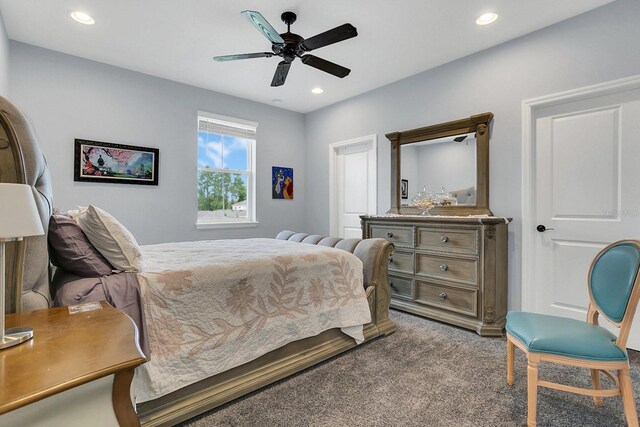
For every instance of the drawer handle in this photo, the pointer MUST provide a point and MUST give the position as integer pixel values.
(442, 296)
(389, 234)
(390, 260)
(444, 267)
(391, 284)
(444, 239)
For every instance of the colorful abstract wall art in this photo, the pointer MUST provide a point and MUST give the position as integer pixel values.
(282, 182)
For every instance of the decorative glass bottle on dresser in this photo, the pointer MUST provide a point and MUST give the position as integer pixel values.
(449, 265)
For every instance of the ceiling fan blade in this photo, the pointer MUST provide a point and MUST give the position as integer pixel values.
(326, 66)
(243, 56)
(258, 21)
(281, 73)
(343, 32)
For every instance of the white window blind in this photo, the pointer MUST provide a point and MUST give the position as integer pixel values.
(213, 123)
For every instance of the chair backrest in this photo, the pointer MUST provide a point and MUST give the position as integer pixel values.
(614, 285)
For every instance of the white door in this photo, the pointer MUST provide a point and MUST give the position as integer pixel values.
(353, 185)
(586, 193)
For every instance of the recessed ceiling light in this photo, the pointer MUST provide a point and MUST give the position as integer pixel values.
(487, 18)
(81, 17)
(317, 90)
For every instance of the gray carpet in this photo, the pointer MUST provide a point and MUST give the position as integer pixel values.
(425, 374)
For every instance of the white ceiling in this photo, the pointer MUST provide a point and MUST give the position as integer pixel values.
(176, 40)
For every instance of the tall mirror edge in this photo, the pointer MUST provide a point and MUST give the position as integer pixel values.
(478, 124)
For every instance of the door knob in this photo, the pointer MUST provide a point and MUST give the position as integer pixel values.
(541, 228)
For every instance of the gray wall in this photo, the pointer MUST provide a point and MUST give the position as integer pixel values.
(67, 97)
(4, 60)
(598, 46)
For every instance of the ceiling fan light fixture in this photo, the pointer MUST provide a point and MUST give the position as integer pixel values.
(82, 17)
(317, 90)
(487, 18)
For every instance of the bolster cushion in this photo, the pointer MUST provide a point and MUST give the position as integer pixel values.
(366, 250)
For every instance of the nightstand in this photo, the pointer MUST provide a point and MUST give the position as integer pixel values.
(76, 371)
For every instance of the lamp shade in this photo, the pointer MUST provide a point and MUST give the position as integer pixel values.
(18, 212)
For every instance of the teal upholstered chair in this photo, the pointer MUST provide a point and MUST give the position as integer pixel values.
(614, 289)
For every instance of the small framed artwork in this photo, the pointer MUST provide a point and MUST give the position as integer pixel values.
(115, 163)
(281, 182)
(404, 189)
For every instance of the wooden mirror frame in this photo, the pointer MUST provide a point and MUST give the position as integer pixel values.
(478, 124)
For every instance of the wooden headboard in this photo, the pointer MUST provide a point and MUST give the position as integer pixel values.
(22, 162)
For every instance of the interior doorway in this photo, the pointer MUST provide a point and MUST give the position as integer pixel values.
(580, 191)
(353, 184)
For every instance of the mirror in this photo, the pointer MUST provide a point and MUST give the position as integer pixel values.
(453, 155)
(447, 164)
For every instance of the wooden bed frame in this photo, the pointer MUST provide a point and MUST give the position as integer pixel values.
(294, 357)
(21, 161)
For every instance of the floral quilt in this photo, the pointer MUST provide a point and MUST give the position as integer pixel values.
(213, 305)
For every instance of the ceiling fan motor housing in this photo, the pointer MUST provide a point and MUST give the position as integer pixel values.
(292, 47)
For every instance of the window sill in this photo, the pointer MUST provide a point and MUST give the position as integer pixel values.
(243, 224)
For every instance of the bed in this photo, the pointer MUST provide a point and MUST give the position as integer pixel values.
(30, 288)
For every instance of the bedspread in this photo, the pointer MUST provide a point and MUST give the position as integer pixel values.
(213, 305)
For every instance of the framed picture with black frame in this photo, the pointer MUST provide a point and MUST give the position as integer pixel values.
(404, 188)
(96, 161)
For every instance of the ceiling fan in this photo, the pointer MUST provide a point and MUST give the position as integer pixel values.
(290, 46)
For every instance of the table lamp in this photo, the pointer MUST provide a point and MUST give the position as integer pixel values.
(18, 218)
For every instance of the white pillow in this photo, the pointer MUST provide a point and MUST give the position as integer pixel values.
(75, 212)
(110, 238)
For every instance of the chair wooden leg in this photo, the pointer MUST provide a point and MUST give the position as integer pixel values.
(510, 351)
(627, 398)
(532, 391)
(595, 379)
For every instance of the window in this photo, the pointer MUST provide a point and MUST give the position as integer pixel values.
(226, 171)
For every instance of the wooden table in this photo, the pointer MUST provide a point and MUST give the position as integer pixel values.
(78, 367)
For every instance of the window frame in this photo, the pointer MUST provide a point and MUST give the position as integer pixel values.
(242, 128)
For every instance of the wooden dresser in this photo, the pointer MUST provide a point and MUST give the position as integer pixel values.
(451, 269)
(76, 371)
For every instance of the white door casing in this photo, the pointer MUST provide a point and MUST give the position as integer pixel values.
(580, 177)
(352, 184)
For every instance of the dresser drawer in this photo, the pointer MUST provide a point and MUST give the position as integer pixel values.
(463, 301)
(401, 262)
(401, 287)
(455, 269)
(398, 235)
(448, 240)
